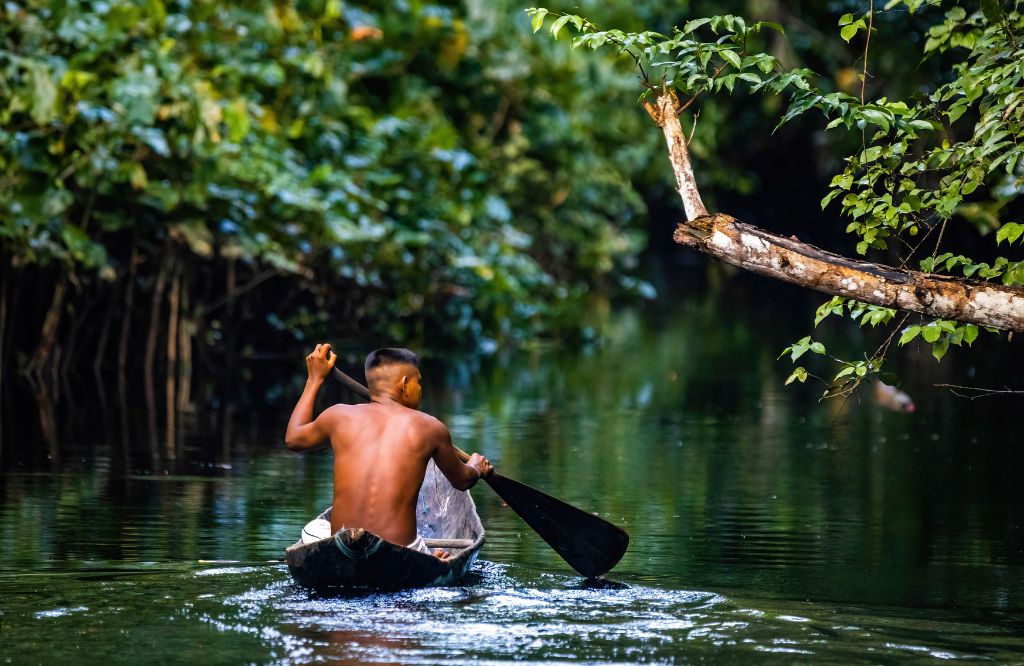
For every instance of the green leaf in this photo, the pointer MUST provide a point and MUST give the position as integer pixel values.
(236, 117)
(940, 348)
(849, 31)
(538, 19)
(82, 247)
(559, 24)
(876, 117)
(909, 333)
(44, 94)
(870, 154)
(1009, 232)
(992, 10)
(833, 306)
(694, 24)
(848, 370)
(799, 374)
(931, 333)
(731, 56)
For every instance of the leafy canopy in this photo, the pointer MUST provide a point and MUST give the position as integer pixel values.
(379, 157)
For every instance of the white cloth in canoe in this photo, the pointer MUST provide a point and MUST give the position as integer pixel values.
(318, 529)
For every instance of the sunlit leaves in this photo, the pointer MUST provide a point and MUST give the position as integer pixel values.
(830, 307)
(940, 334)
(799, 374)
(1009, 232)
(801, 347)
(537, 17)
(849, 26)
(683, 60)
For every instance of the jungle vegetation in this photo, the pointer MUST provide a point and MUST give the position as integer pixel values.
(183, 182)
(186, 182)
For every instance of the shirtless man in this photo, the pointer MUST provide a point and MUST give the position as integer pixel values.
(380, 449)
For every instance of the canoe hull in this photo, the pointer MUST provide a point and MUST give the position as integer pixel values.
(363, 561)
(355, 559)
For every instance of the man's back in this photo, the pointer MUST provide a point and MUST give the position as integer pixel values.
(380, 456)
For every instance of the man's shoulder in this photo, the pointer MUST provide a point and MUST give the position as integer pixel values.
(427, 422)
(340, 411)
(341, 408)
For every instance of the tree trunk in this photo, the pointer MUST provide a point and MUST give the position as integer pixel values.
(151, 340)
(187, 329)
(126, 324)
(787, 259)
(48, 334)
(170, 394)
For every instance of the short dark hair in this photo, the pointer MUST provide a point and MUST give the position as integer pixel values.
(389, 356)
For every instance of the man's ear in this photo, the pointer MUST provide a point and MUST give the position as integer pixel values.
(403, 383)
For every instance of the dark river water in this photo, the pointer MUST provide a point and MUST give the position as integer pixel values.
(766, 526)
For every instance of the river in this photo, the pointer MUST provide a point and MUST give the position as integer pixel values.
(766, 525)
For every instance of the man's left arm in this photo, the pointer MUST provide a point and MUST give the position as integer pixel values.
(305, 433)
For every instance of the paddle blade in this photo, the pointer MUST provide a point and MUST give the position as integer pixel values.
(591, 545)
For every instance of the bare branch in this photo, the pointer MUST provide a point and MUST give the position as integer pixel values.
(941, 296)
(978, 391)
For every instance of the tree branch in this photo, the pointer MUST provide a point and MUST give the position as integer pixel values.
(665, 113)
(789, 260)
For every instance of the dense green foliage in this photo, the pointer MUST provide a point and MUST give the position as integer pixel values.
(391, 168)
(919, 162)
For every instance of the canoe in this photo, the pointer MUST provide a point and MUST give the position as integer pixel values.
(356, 559)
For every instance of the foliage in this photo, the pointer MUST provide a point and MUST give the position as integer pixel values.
(382, 160)
(684, 61)
(955, 151)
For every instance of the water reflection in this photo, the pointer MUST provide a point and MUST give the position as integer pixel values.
(763, 522)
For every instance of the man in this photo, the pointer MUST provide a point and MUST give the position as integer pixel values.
(380, 449)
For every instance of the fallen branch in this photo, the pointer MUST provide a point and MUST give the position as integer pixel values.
(789, 260)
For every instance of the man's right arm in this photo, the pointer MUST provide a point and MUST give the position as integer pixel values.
(305, 433)
(462, 476)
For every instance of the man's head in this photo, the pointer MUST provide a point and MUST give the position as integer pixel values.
(394, 371)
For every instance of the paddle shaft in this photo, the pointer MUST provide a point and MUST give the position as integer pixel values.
(361, 390)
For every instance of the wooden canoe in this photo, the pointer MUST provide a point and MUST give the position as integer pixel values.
(355, 559)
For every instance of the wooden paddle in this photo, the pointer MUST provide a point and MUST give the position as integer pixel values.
(591, 545)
